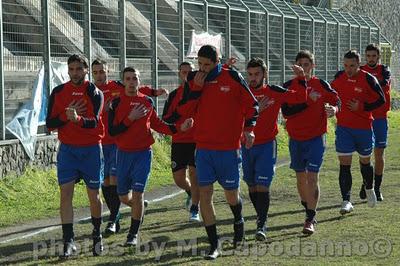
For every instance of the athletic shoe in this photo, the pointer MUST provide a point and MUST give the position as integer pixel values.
(97, 245)
(131, 240)
(212, 254)
(371, 197)
(194, 216)
(112, 228)
(347, 207)
(378, 194)
(362, 194)
(188, 203)
(309, 227)
(261, 234)
(69, 249)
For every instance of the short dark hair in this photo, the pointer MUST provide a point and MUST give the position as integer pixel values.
(99, 61)
(208, 51)
(78, 58)
(129, 69)
(373, 47)
(305, 54)
(353, 54)
(185, 63)
(257, 62)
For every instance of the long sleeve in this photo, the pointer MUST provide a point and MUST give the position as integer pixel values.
(386, 76)
(248, 101)
(160, 126)
(97, 99)
(374, 85)
(115, 129)
(54, 120)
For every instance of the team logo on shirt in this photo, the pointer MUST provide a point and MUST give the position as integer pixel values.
(357, 89)
(225, 88)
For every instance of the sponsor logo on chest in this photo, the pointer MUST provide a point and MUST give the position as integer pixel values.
(225, 88)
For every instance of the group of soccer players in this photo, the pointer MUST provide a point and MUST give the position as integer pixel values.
(218, 122)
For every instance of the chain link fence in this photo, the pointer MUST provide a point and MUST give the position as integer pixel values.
(154, 35)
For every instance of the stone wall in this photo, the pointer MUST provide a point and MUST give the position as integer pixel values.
(14, 159)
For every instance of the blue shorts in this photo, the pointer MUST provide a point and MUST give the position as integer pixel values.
(110, 160)
(259, 164)
(221, 166)
(133, 169)
(74, 163)
(307, 155)
(380, 127)
(349, 140)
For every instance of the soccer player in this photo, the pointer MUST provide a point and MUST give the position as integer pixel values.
(306, 125)
(380, 123)
(223, 107)
(259, 161)
(183, 149)
(112, 89)
(360, 94)
(131, 116)
(74, 110)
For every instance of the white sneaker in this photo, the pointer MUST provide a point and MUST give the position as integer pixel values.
(347, 207)
(371, 197)
(194, 216)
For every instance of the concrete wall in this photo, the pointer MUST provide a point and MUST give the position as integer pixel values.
(14, 159)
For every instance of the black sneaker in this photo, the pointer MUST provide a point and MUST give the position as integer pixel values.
(378, 194)
(98, 247)
(69, 249)
(238, 237)
(131, 240)
(363, 194)
(261, 234)
(212, 254)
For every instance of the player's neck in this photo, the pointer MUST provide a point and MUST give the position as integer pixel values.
(131, 93)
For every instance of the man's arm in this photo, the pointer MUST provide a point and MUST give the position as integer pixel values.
(53, 120)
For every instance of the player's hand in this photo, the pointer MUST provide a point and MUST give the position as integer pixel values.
(298, 70)
(330, 110)
(265, 103)
(137, 112)
(231, 61)
(159, 92)
(187, 124)
(107, 105)
(353, 105)
(314, 95)
(199, 78)
(249, 136)
(71, 114)
(79, 106)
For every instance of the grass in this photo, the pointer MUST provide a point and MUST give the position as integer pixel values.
(365, 237)
(20, 195)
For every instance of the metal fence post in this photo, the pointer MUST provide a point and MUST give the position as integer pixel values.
(205, 15)
(338, 40)
(228, 30)
(181, 12)
(122, 35)
(154, 44)
(87, 33)
(2, 111)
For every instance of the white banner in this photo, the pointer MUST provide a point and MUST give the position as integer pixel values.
(198, 40)
(33, 113)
